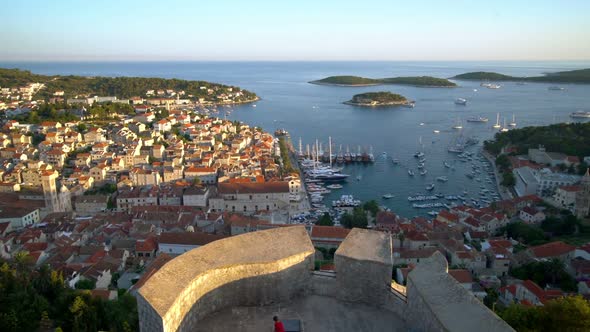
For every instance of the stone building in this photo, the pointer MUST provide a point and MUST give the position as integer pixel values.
(221, 287)
(583, 197)
(251, 197)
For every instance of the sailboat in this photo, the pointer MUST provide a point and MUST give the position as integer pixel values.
(458, 125)
(497, 125)
(513, 123)
(504, 129)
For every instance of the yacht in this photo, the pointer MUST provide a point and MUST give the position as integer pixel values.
(430, 187)
(555, 88)
(504, 129)
(419, 154)
(580, 115)
(497, 125)
(423, 172)
(477, 119)
(447, 165)
(493, 86)
(388, 196)
(334, 186)
(442, 179)
(411, 173)
(513, 123)
(436, 131)
(458, 125)
(461, 101)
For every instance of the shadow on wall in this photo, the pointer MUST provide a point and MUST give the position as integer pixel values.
(265, 289)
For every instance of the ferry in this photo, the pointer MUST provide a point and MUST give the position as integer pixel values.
(461, 101)
(477, 119)
(580, 115)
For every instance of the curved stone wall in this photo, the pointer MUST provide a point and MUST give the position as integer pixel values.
(250, 269)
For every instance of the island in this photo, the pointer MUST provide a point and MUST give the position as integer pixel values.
(375, 99)
(79, 87)
(571, 76)
(419, 81)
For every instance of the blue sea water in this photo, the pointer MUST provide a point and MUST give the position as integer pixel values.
(316, 112)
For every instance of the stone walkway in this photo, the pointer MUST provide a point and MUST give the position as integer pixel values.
(317, 313)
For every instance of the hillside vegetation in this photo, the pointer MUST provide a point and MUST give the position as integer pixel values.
(572, 139)
(425, 81)
(122, 87)
(572, 76)
(377, 99)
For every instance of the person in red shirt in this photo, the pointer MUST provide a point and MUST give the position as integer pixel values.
(279, 327)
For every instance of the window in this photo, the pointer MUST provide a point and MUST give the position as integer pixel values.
(244, 208)
(267, 208)
(250, 197)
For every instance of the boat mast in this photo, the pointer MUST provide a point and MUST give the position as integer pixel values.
(300, 148)
(330, 150)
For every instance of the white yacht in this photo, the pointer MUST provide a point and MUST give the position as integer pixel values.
(513, 123)
(580, 115)
(461, 101)
(458, 125)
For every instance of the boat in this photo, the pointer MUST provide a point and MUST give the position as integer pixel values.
(447, 165)
(253, 105)
(358, 177)
(346, 201)
(388, 196)
(461, 101)
(513, 123)
(430, 187)
(497, 125)
(411, 173)
(504, 129)
(334, 186)
(442, 179)
(580, 115)
(395, 161)
(410, 104)
(436, 131)
(423, 172)
(458, 125)
(493, 86)
(477, 119)
(555, 88)
(419, 154)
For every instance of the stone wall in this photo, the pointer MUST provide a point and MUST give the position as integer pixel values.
(249, 269)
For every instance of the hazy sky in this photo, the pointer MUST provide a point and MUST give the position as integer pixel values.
(295, 30)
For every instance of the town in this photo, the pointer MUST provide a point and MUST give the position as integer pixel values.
(108, 198)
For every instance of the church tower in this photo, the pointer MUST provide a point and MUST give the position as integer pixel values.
(583, 197)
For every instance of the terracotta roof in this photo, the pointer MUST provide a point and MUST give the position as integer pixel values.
(38, 246)
(329, 232)
(188, 238)
(448, 216)
(552, 249)
(461, 275)
(148, 244)
(254, 188)
(386, 217)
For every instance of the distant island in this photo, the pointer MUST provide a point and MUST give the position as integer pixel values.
(71, 86)
(571, 76)
(421, 81)
(375, 99)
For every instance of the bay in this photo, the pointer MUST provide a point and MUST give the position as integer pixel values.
(316, 112)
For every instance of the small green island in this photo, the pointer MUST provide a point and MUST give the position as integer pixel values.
(571, 76)
(419, 81)
(376, 99)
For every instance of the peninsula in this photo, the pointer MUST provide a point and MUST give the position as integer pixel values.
(571, 76)
(420, 81)
(77, 87)
(374, 99)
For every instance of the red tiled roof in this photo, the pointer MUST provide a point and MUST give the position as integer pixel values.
(448, 216)
(461, 275)
(386, 218)
(254, 188)
(39, 246)
(148, 244)
(552, 249)
(329, 232)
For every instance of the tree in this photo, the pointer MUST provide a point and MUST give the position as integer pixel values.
(325, 220)
(357, 219)
(508, 179)
(371, 206)
(85, 284)
(570, 313)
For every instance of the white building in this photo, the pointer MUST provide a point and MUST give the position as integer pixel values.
(541, 182)
(19, 217)
(179, 243)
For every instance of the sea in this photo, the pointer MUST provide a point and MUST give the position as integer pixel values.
(315, 112)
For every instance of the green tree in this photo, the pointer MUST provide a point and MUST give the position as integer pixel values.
(371, 206)
(508, 179)
(325, 220)
(85, 284)
(357, 219)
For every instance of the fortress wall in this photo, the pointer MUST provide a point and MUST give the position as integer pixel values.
(363, 267)
(437, 302)
(249, 269)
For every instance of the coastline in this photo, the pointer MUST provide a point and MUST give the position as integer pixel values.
(377, 84)
(392, 104)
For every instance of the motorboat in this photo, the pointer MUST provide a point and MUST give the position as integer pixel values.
(442, 179)
(334, 186)
(461, 101)
(458, 125)
(436, 131)
(555, 88)
(477, 119)
(580, 115)
(430, 187)
(411, 173)
(423, 172)
(388, 196)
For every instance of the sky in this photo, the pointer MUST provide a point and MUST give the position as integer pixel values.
(303, 30)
